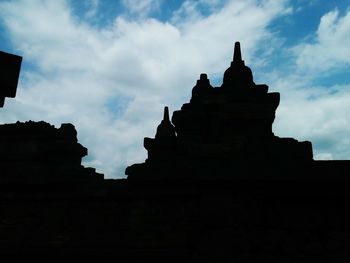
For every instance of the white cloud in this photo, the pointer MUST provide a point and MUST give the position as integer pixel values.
(312, 112)
(81, 71)
(331, 45)
(93, 6)
(315, 113)
(142, 8)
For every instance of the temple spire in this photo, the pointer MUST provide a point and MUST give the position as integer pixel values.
(166, 114)
(237, 57)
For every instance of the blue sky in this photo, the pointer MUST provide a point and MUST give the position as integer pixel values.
(109, 67)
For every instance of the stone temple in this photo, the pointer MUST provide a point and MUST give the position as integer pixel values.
(217, 186)
(220, 127)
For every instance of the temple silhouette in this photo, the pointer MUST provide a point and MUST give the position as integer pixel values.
(217, 186)
(220, 127)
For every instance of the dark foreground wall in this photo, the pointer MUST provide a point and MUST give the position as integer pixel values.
(250, 216)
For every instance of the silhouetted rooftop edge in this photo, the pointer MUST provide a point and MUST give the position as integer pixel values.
(10, 66)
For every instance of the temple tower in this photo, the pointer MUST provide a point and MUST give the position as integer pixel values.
(231, 123)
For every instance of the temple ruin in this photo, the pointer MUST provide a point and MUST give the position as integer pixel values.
(217, 186)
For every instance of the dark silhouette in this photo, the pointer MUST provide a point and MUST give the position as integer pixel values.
(217, 186)
(10, 66)
(230, 124)
(38, 153)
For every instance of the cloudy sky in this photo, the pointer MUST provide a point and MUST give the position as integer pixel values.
(109, 67)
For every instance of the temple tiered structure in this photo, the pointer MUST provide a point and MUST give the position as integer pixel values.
(227, 124)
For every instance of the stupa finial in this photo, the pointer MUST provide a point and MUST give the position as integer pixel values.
(166, 114)
(237, 56)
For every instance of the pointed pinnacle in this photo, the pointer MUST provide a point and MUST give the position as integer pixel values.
(237, 57)
(166, 114)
